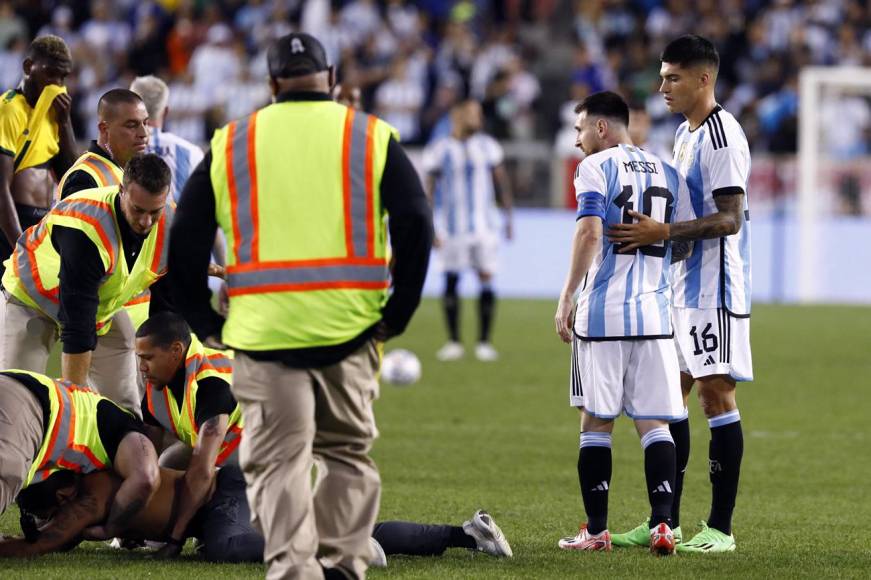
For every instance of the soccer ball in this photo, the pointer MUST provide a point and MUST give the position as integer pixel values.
(400, 367)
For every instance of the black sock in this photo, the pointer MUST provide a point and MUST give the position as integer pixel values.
(680, 433)
(659, 460)
(726, 451)
(486, 307)
(594, 475)
(451, 302)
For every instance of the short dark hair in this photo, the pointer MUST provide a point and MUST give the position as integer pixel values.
(116, 97)
(690, 50)
(165, 328)
(49, 48)
(605, 104)
(149, 171)
(43, 495)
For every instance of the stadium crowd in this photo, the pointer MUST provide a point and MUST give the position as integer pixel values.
(413, 60)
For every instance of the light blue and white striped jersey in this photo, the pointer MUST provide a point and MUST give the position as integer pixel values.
(465, 194)
(715, 160)
(628, 295)
(181, 155)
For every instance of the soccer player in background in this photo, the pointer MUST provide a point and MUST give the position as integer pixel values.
(712, 287)
(36, 139)
(181, 155)
(623, 355)
(467, 164)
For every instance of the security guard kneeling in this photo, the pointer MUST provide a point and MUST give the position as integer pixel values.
(49, 428)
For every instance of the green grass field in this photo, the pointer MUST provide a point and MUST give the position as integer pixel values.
(501, 436)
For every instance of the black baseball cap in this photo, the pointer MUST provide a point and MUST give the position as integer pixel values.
(296, 54)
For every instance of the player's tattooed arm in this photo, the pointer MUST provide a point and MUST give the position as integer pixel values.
(646, 231)
(726, 222)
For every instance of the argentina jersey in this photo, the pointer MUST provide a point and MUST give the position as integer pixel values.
(465, 194)
(181, 155)
(715, 160)
(628, 295)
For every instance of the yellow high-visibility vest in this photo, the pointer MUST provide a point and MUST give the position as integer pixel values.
(179, 417)
(106, 172)
(297, 193)
(33, 269)
(72, 439)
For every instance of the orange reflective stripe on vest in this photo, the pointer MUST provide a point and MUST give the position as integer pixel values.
(62, 450)
(26, 270)
(99, 215)
(231, 443)
(107, 176)
(358, 269)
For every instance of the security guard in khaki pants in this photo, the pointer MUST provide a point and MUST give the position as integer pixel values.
(71, 274)
(302, 189)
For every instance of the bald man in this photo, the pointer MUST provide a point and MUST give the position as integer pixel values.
(123, 133)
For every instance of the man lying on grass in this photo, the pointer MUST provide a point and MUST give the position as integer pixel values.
(52, 522)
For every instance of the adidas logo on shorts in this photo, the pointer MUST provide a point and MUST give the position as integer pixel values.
(709, 360)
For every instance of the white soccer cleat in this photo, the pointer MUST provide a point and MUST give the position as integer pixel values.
(379, 558)
(587, 541)
(488, 536)
(451, 351)
(485, 352)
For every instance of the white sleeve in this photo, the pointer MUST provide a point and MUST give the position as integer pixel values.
(728, 169)
(431, 158)
(590, 189)
(495, 154)
(196, 157)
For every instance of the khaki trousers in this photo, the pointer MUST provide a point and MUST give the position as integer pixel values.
(289, 415)
(27, 337)
(21, 435)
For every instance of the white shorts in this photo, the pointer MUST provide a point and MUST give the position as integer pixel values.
(478, 252)
(712, 342)
(636, 377)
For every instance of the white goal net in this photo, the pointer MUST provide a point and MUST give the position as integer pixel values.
(834, 163)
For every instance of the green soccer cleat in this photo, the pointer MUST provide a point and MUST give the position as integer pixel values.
(709, 540)
(640, 536)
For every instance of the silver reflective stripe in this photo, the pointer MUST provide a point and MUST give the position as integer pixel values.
(357, 169)
(219, 362)
(242, 177)
(61, 437)
(25, 272)
(100, 213)
(104, 169)
(308, 275)
(160, 410)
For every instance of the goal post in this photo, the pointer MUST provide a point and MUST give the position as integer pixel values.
(813, 160)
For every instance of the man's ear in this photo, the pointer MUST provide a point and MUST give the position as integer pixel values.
(26, 66)
(65, 494)
(331, 76)
(273, 87)
(178, 349)
(602, 127)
